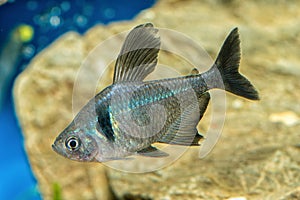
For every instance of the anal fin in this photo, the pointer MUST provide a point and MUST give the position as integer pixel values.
(203, 101)
(183, 131)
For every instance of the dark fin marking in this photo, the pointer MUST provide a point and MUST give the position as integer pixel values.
(152, 152)
(195, 71)
(104, 125)
(196, 140)
(138, 56)
(203, 101)
(187, 135)
(227, 63)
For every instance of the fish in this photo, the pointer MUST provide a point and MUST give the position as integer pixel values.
(126, 118)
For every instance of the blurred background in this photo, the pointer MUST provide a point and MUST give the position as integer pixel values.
(26, 28)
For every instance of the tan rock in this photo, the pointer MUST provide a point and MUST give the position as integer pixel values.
(293, 195)
(43, 100)
(287, 118)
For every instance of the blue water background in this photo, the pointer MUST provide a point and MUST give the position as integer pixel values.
(50, 19)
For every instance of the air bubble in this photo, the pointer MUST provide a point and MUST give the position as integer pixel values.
(55, 21)
(80, 20)
(55, 11)
(32, 5)
(28, 51)
(65, 6)
(109, 13)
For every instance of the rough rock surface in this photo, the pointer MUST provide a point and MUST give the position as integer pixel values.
(257, 156)
(43, 97)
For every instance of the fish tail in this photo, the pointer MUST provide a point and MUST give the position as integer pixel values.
(227, 65)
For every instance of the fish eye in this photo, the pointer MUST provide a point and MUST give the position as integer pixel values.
(73, 143)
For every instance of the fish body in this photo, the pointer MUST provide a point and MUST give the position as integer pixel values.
(127, 117)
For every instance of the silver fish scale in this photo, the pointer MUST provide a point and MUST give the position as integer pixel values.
(143, 112)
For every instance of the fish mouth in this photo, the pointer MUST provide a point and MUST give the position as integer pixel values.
(54, 148)
(58, 151)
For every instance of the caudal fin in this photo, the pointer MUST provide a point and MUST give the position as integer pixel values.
(227, 63)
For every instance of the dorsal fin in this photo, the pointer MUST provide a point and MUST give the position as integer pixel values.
(138, 56)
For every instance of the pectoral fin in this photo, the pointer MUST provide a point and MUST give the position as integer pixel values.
(138, 56)
(152, 152)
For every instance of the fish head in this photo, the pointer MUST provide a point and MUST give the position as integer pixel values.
(76, 144)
